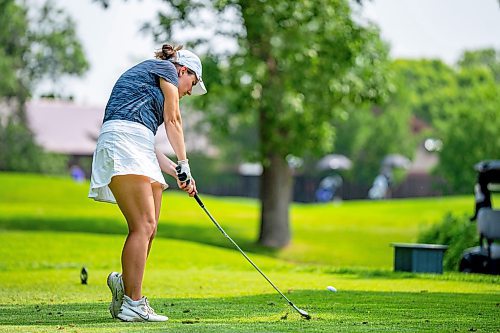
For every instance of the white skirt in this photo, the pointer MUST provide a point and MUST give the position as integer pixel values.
(123, 148)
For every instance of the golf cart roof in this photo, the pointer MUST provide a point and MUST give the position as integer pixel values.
(487, 166)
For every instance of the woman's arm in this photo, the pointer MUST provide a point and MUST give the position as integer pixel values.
(166, 164)
(175, 134)
(172, 118)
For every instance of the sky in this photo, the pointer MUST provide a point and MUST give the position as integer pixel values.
(413, 28)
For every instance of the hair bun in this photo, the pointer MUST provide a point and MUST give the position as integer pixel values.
(167, 49)
(167, 52)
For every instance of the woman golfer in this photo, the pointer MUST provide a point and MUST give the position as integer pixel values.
(126, 168)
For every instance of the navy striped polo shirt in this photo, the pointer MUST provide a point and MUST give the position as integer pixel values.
(137, 96)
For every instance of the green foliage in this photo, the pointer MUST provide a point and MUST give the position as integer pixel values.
(35, 44)
(13, 32)
(488, 58)
(54, 48)
(427, 85)
(455, 231)
(17, 148)
(366, 135)
(460, 105)
(299, 65)
(468, 126)
(53, 163)
(19, 152)
(369, 135)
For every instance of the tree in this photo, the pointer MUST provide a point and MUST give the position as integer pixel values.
(369, 134)
(298, 65)
(489, 58)
(468, 124)
(460, 104)
(13, 29)
(427, 83)
(36, 46)
(33, 47)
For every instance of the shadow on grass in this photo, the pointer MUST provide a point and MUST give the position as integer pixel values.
(208, 234)
(342, 311)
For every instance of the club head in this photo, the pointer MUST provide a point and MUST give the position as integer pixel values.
(304, 314)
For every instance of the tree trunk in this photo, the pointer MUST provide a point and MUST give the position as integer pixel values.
(21, 113)
(275, 195)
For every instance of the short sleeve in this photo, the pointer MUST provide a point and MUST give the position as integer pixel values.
(166, 70)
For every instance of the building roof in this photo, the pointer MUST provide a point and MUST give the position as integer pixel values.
(64, 127)
(68, 128)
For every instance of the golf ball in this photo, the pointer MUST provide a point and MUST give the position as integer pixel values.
(331, 289)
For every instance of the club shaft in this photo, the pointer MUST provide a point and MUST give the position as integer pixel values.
(243, 253)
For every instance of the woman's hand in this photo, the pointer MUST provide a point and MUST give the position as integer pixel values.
(184, 179)
(188, 186)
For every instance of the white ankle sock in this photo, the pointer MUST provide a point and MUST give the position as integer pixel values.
(132, 302)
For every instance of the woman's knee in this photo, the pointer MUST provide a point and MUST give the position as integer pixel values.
(154, 233)
(145, 228)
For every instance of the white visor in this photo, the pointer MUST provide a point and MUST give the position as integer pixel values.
(199, 88)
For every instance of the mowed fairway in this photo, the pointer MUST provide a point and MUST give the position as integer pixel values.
(49, 230)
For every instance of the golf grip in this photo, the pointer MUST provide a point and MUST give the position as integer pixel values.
(199, 201)
(182, 177)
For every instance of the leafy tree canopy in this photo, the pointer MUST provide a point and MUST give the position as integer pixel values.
(35, 44)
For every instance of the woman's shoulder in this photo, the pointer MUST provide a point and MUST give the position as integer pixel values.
(162, 68)
(157, 64)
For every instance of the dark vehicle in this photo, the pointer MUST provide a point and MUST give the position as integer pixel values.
(485, 258)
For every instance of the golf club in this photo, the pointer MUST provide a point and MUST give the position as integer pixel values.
(182, 177)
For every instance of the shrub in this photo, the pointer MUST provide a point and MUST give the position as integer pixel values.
(455, 231)
(19, 152)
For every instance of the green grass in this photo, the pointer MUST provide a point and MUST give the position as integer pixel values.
(353, 233)
(49, 230)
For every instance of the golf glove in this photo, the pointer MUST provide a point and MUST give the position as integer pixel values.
(183, 171)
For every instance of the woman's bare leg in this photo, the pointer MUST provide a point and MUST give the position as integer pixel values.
(157, 196)
(134, 195)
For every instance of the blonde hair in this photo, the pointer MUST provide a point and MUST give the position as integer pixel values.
(168, 52)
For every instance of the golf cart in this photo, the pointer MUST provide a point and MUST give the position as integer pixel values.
(485, 258)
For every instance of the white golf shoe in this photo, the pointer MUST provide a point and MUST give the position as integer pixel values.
(115, 284)
(138, 311)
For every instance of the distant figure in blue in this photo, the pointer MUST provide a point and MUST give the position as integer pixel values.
(77, 173)
(328, 188)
